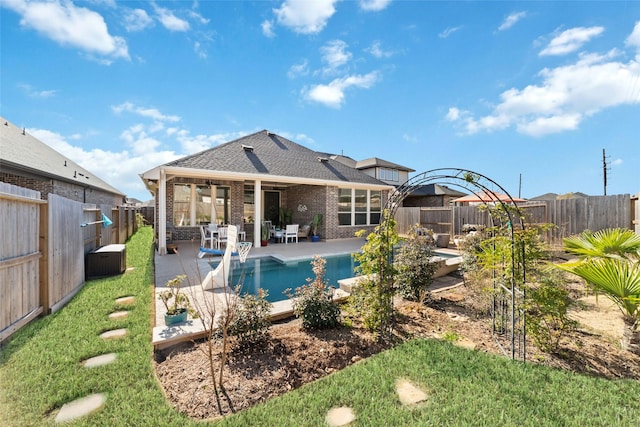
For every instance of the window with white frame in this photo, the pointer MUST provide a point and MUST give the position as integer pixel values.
(192, 204)
(388, 174)
(359, 207)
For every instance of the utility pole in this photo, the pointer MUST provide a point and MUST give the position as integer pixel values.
(604, 169)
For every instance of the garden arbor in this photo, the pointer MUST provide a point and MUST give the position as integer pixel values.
(508, 318)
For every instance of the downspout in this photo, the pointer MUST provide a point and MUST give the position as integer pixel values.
(162, 214)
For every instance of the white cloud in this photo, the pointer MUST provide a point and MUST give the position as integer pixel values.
(137, 20)
(616, 162)
(34, 93)
(634, 38)
(70, 26)
(511, 20)
(301, 69)
(151, 113)
(448, 31)
(304, 16)
(200, 50)
(169, 20)
(376, 50)
(566, 96)
(335, 55)
(119, 169)
(267, 29)
(571, 40)
(374, 5)
(332, 94)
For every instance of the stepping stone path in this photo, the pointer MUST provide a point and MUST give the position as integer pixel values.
(101, 360)
(88, 405)
(341, 416)
(81, 407)
(114, 333)
(118, 315)
(408, 393)
(126, 300)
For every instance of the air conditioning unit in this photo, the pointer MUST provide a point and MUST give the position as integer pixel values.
(108, 260)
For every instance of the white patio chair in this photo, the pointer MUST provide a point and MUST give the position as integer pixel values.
(218, 277)
(205, 236)
(291, 232)
(223, 233)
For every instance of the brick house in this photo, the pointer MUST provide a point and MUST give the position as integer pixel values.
(258, 176)
(27, 162)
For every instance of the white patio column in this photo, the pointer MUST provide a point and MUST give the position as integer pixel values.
(192, 205)
(214, 194)
(162, 213)
(257, 205)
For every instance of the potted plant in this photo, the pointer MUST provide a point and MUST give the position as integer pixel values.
(315, 223)
(264, 234)
(177, 304)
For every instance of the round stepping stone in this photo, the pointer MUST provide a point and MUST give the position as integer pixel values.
(408, 393)
(340, 416)
(118, 315)
(103, 359)
(114, 333)
(125, 300)
(81, 407)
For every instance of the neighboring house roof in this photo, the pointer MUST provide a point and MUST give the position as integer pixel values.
(554, 196)
(435, 190)
(265, 153)
(23, 152)
(376, 162)
(481, 196)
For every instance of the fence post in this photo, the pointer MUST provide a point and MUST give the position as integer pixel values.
(43, 263)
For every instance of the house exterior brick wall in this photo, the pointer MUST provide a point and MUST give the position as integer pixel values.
(64, 189)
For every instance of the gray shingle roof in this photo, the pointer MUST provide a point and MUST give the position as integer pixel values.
(376, 162)
(436, 190)
(275, 155)
(25, 152)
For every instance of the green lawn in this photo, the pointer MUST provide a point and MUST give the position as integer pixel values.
(40, 370)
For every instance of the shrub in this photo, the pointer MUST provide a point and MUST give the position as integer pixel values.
(313, 303)
(546, 307)
(251, 318)
(414, 267)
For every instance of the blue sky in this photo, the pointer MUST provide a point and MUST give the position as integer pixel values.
(525, 93)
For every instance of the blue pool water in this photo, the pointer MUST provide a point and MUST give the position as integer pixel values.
(275, 276)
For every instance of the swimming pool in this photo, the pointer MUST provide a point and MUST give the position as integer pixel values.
(275, 276)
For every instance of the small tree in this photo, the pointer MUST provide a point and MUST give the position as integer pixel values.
(372, 299)
(415, 267)
(313, 303)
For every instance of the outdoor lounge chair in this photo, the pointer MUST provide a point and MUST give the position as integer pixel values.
(218, 277)
(303, 232)
(291, 232)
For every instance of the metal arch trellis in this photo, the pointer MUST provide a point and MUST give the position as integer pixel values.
(508, 317)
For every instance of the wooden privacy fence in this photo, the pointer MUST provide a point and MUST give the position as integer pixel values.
(43, 248)
(570, 216)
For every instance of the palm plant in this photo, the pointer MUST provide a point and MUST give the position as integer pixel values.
(609, 261)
